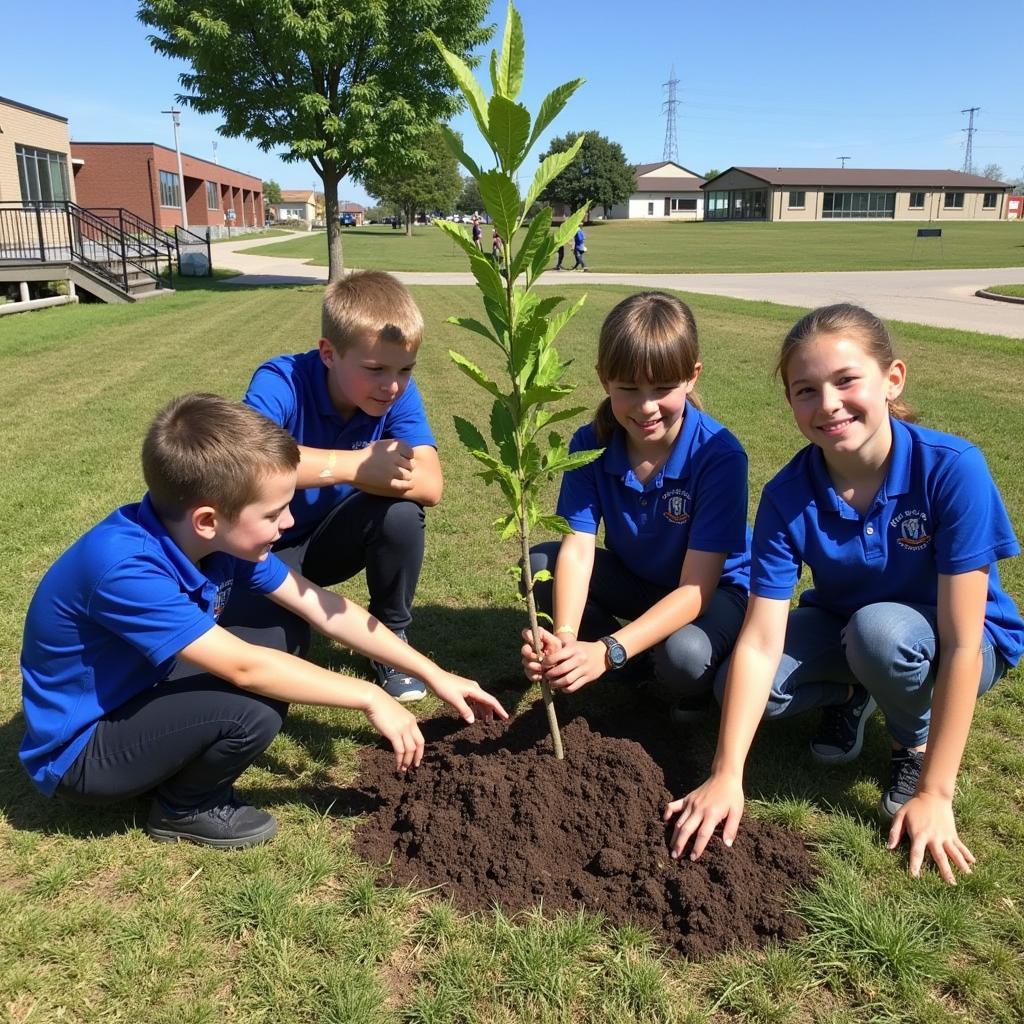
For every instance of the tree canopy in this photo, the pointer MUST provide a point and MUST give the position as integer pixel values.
(271, 191)
(470, 200)
(598, 175)
(342, 84)
(993, 171)
(427, 179)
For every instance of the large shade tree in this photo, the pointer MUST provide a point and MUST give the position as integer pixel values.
(427, 179)
(599, 174)
(342, 84)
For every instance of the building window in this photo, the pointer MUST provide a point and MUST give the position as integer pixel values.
(170, 194)
(797, 200)
(953, 201)
(650, 209)
(858, 205)
(212, 197)
(43, 175)
(916, 200)
(681, 205)
(716, 206)
(990, 202)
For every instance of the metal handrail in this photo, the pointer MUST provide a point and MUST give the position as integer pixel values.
(149, 240)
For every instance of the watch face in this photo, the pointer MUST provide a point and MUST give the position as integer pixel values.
(616, 652)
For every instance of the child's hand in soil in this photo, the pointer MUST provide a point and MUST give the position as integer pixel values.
(398, 727)
(576, 664)
(464, 695)
(700, 812)
(928, 822)
(533, 667)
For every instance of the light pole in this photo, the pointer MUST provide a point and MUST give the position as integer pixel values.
(176, 118)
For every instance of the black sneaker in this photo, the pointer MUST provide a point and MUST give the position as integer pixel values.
(228, 826)
(904, 774)
(841, 733)
(400, 685)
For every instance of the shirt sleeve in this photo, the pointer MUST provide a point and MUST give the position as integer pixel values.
(720, 504)
(406, 420)
(272, 393)
(261, 577)
(140, 603)
(579, 499)
(972, 528)
(774, 561)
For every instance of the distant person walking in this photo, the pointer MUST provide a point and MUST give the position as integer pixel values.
(497, 247)
(578, 249)
(561, 257)
(478, 233)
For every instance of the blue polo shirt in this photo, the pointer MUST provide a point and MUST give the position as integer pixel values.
(292, 391)
(698, 499)
(938, 511)
(107, 622)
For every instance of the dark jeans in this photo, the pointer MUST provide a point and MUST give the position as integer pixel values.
(685, 662)
(187, 739)
(384, 536)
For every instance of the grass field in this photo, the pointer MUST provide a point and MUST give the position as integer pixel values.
(1016, 290)
(97, 923)
(269, 233)
(702, 247)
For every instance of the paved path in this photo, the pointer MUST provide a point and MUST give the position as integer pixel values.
(941, 298)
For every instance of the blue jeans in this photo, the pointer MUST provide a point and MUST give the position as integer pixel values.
(685, 662)
(890, 649)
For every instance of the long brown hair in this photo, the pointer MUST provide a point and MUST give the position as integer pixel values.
(845, 318)
(650, 335)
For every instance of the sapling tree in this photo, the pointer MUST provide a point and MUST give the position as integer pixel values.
(523, 326)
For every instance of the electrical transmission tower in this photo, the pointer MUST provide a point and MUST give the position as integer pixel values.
(970, 129)
(670, 106)
(844, 159)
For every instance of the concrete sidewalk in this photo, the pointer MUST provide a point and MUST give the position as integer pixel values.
(940, 298)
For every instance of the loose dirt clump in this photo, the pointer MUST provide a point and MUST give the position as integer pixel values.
(492, 818)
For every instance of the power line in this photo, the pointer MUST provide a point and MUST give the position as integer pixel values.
(670, 106)
(844, 159)
(969, 148)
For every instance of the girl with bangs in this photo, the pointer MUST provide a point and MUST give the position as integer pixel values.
(667, 593)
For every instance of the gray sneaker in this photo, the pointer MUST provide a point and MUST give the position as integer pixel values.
(841, 733)
(400, 685)
(904, 774)
(226, 827)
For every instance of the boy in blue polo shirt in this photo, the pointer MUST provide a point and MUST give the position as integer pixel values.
(130, 686)
(671, 490)
(369, 462)
(901, 528)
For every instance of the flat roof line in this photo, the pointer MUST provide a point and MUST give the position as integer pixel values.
(34, 110)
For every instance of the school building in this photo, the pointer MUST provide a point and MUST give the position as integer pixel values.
(663, 191)
(143, 177)
(35, 155)
(852, 193)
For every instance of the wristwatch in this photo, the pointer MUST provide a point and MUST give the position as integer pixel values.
(616, 655)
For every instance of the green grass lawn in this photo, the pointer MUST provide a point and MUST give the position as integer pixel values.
(269, 233)
(1016, 290)
(701, 247)
(97, 923)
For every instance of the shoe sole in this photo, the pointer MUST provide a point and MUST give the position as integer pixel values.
(408, 696)
(844, 757)
(884, 806)
(164, 835)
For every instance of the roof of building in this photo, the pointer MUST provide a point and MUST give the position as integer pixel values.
(167, 149)
(33, 110)
(878, 177)
(297, 195)
(669, 184)
(647, 168)
(351, 208)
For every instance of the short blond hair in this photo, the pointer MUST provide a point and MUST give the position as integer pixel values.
(206, 450)
(370, 302)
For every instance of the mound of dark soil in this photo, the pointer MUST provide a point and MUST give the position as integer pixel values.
(493, 818)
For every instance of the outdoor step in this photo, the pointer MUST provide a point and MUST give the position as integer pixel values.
(152, 293)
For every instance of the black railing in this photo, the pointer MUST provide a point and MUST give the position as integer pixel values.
(143, 240)
(64, 232)
(195, 248)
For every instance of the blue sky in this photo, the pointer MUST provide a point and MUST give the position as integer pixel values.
(773, 85)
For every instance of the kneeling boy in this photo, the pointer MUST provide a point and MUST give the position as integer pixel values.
(369, 463)
(130, 686)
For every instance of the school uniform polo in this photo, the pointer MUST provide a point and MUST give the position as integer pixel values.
(292, 391)
(697, 499)
(107, 622)
(938, 511)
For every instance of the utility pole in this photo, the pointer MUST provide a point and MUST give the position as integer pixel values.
(844, 159)
(176, 118)
(970, 129)
(215, 160)
(671, 149)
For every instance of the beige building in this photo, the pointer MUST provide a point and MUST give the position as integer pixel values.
(35, 155)
(296, 204)
(663, 191)
(852, 193)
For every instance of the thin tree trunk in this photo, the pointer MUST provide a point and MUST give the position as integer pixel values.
(335, 260)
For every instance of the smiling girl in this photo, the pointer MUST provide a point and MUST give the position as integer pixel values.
(901, 528)
(671, 490)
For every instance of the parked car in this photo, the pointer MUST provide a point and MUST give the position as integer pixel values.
(348, 220)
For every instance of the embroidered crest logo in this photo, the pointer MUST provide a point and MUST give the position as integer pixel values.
(221, 600)
(912, 529)
(677, 506)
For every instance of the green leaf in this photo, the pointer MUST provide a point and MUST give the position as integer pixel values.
(542, 575)
(570, 226)
(551, 107)
(557, 524)
(559, 320)
(546, 418)
(487, 277)
(501, 200)
(526, 342)
(548, 393)
(499, 319)
(513, 55)
(496, 85)
(510, 128)
(575, 460)
(454, 144)
(469, 324)
(503, 433)
(468, 85)
(550, 168)
(456, 233)
(470, 437)
(536, 233)
(474, 372)
(510, 527)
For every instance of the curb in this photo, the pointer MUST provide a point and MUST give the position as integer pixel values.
(981, 293)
